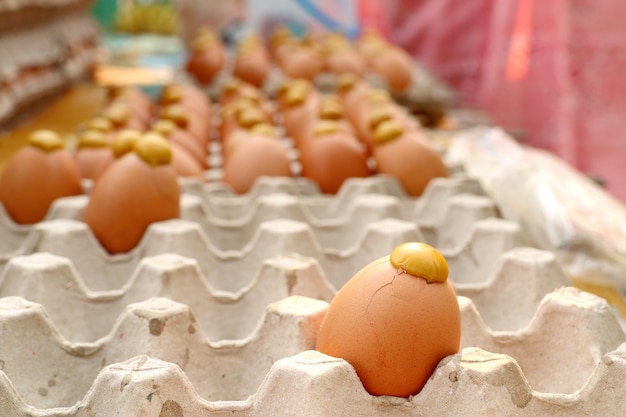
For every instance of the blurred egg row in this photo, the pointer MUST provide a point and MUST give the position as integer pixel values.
(132, 151)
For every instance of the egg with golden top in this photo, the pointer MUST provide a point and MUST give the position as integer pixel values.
(395, 320)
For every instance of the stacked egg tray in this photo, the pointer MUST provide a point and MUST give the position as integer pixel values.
(216, 313)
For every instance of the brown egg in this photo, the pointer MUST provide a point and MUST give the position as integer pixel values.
(193, 99)
(406, 156)
(207, 58)
(252, 63)
(121, 117)
(37, 175)
(352, 90)
(378, 111)
(279, 37)
(331, 108)
(395, 66)
(137, 190)
(139, 102)
(197, 126)
(300, 108)
(395, 320)
(241, 135)
(240, 114)
(93, 154)
(331, 156)
(124, 142)
(184, 162)
(236, 90)
(258, 156)
(301, 62)
(342, 57)
(170, 131)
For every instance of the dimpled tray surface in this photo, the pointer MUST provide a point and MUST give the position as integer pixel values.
(217, 313)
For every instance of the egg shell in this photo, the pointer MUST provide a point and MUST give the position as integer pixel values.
(411, 160)
(331, 159)
(258, 156)
(396, 67)
(187, 141)
(93, 162)
(204, 65)
(185, 164)
(197, 126)
(233, 140)
(299, 119)
(190, 97)
(393, 327)
(345, 60)
(240, 114)
(366, 120)
(236, 88)
(252, 67)
(139, 102)
(301, 62)
(124, 117)
(130, 196)
(33, 179)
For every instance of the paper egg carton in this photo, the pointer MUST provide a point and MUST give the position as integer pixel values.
(563, 357)
(371, 225)
(180, 327)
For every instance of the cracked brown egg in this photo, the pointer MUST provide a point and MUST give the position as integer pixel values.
(395, 320)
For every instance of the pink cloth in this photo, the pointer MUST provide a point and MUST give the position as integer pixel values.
(553, 70)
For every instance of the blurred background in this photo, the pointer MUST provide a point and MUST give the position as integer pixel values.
(548, 72)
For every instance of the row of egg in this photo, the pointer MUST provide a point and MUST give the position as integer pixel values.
(325, 139)
(304, 58)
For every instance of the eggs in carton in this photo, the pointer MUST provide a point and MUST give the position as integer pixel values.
(370, 238)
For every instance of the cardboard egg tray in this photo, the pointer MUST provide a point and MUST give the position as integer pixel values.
(217, 313)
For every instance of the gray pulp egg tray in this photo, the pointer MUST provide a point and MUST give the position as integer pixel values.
(217, 313)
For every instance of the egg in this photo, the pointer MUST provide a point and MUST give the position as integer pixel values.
(236, 90)
(252, 63)
(183, 139)
(190, 97)
(395, 66)
(121, 116)
(331, 156)
(138, 189)
(394, 320)
(206, 59)
(93, 154)
(240, 136)
(407, 156)
(301, 62)
(392, 63)
(342, 57)
(240, 114)
(124, 142)
(36, 176)
(299, 102)
(199, 127)
(331, 108)
(138, 102)
(259, 156)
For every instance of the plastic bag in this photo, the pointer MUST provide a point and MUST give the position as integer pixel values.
(559, 208)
